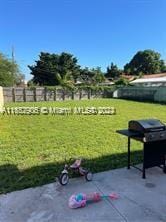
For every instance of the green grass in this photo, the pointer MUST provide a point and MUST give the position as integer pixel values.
(33, 149)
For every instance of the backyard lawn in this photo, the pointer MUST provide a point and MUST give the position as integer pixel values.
(33, 148)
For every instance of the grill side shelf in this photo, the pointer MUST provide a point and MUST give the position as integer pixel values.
(131, 134)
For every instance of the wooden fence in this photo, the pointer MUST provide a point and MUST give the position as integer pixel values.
(20, 94)
(43, 94)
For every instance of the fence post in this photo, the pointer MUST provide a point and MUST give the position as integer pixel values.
(89, 93)
(24, 94)
(45, 93)
(55, 94)
(34, 94)
(13, 95)
(80, 95)
(72, 95)
(63, 95)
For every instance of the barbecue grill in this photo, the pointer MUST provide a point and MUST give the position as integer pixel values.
(152, 133)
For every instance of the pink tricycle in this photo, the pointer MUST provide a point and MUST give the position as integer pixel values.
(76, 167)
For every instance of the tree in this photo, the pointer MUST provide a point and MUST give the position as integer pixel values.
(122, 82)
(145, 62)
(91, 76)
(50, 68)
(9, 72)
(98, 76)
(112, 71)
(66, 80)
(163, 66)
(86, 76)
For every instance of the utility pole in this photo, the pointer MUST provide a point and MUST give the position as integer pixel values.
(13, 63)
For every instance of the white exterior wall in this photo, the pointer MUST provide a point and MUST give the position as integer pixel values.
(1, 99)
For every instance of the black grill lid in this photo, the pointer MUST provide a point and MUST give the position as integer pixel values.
(146, 125)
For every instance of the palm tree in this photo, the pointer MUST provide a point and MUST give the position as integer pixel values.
(66, 80)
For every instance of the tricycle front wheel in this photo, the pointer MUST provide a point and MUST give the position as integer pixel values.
(64, 179)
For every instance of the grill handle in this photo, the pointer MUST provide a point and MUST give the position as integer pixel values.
(156, 129)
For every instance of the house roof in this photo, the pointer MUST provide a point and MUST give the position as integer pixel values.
(154, 75)
(128, 77)
(160, 77)
(148, 80)
(145, 76)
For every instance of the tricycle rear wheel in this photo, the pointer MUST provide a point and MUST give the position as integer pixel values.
(88, 176)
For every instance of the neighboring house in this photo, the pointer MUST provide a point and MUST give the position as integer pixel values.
(23, 83)
(128, 77)
(151, 80)
(107, 82)
(78, 82)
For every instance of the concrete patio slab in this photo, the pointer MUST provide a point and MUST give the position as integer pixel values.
(139, 199)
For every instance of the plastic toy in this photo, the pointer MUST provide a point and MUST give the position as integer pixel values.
(81, 199)
(76, 167)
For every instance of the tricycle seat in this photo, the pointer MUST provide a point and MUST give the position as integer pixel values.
(76, 164)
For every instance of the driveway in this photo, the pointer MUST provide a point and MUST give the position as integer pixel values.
(139, 199)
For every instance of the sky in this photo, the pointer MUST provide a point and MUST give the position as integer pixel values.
(97, 32)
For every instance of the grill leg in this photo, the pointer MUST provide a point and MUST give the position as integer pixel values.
(143, 169)
(128, 165)
(164, 166)
(143, 173)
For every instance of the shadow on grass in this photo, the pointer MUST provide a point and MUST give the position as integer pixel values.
(12, 179)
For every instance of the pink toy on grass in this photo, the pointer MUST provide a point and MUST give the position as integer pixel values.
(81, 199)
